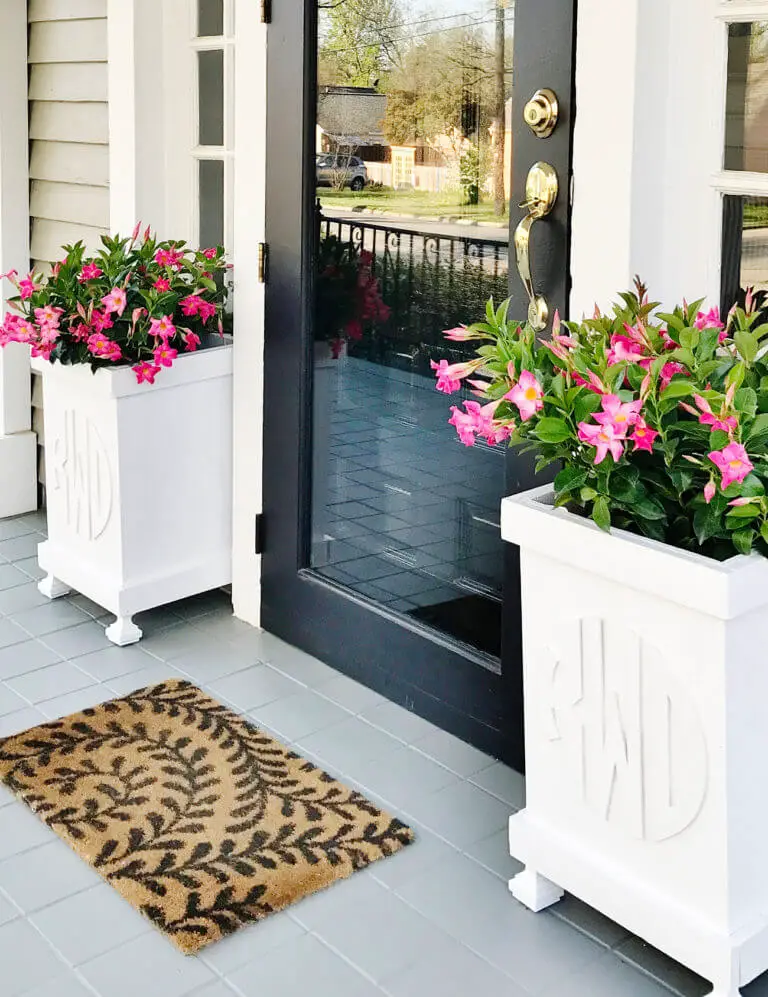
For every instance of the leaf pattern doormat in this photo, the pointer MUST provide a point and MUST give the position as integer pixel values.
(200, 820)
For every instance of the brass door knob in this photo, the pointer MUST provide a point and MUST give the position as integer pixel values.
(541, 113)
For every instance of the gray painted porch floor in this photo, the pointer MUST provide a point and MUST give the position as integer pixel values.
(435, 920)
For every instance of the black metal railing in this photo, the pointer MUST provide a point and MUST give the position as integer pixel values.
(431, 280)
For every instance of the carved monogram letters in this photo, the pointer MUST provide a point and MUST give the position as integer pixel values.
(630, 734)
(80, 468)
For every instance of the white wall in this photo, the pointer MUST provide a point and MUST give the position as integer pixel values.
(647, 141)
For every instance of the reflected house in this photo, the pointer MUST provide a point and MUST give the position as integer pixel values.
(350, 121)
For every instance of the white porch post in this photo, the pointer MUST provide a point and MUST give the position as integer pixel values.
(250, 178)
(18, 445)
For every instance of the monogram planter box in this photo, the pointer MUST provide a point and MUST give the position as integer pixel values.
(139, 484)
(646, 724)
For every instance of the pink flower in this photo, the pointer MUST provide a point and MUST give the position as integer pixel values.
(643, 436)
(80, 332)
(709, 491)
(146, 371)
(741, 501)
(11, 275)
(618, 414)
(24, 332)
(479, 421)
(90, 272)
(43, 350)
(101, 346)
(162, 284)
(707, 418)
(527, 394)
(210, 254)
(115, 301)
(450, 376)
(169, 258)
(669, 370)
(191, 305)
(709, 320)
(594, 383)
(165, 355)
(191, 340)
(49, 334)
(208, 310)
(48, 316)
(163, 327)
(733, 463)
(624, 349)
(459, 334)
(605, 438)
(27, 287)
(101, 321)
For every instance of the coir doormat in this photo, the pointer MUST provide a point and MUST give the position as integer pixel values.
(200, 820)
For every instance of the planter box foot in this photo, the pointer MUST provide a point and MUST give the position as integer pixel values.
(535, 891)
(123, 632)
(52, 588)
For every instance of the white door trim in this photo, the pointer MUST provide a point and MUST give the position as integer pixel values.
(249, 231)
(18, 445)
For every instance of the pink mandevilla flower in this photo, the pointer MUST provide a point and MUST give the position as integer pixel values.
(527, 394)
(162, 284)
(643, 437)
(90, 272)
(618, 414)
(458, 335)
(669, 370)
(169, 258)
(208, 310)
(191, 305)
(709, 320)
(606, 439)
(162, 328)
(210, 254)
(709, 491)
(101, 346)
(48, 316)
(726, 424)
(165, 355)
(191, 340)
(479, 421)
(733, 463)
(450, 376)
(624, 349)
(115, 301)
(27, 287)
(146, 372)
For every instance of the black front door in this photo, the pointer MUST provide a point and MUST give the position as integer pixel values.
(398, 151)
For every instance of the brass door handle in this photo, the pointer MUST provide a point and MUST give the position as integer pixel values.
(541, 190)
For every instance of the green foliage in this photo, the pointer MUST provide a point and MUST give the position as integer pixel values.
(658, 421)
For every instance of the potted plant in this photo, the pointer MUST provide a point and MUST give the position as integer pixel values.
(137, 385)
(645, 616)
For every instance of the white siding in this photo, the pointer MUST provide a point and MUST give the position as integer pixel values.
(69, 134)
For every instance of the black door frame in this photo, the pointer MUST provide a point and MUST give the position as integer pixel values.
(400, 658)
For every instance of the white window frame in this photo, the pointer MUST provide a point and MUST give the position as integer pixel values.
(722, 181)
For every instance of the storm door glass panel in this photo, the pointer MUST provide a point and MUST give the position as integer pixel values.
(745, 250)
(211, 202)
(746, 136)
(211, 83)
(412, 166)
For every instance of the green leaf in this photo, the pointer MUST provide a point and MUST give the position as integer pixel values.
(649, 508)
(587, 494)
(743, 541)
(689, 338)
(745, 401)
(625, 485)
(570, 478)
(764, 530)
(707, 521)
(585, 405)
(601, 513)
(719, 439)
(746, 344)
(552, 430)
(708, 342)
(678, 388)
(759, 427)
(744, 511)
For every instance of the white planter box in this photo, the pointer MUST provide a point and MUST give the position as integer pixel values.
(139, 484)
(646, 725)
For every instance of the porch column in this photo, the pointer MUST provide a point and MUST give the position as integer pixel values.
(18, 445)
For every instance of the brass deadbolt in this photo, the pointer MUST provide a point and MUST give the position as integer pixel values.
(541, 113)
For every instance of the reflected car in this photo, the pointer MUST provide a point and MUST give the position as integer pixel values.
(334, 170)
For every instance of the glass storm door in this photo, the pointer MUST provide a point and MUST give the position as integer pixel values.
(400, 137)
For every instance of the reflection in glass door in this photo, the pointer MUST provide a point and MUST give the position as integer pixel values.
(413, 159)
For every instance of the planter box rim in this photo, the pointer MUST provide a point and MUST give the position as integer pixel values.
(724, 589)
(120, 381)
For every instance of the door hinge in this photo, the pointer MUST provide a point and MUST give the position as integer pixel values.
(266, 11)
(258, 538)
(263, 262)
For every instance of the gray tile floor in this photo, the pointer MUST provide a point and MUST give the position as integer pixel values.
(436, 919)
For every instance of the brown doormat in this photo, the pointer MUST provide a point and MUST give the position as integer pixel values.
(200, 820)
